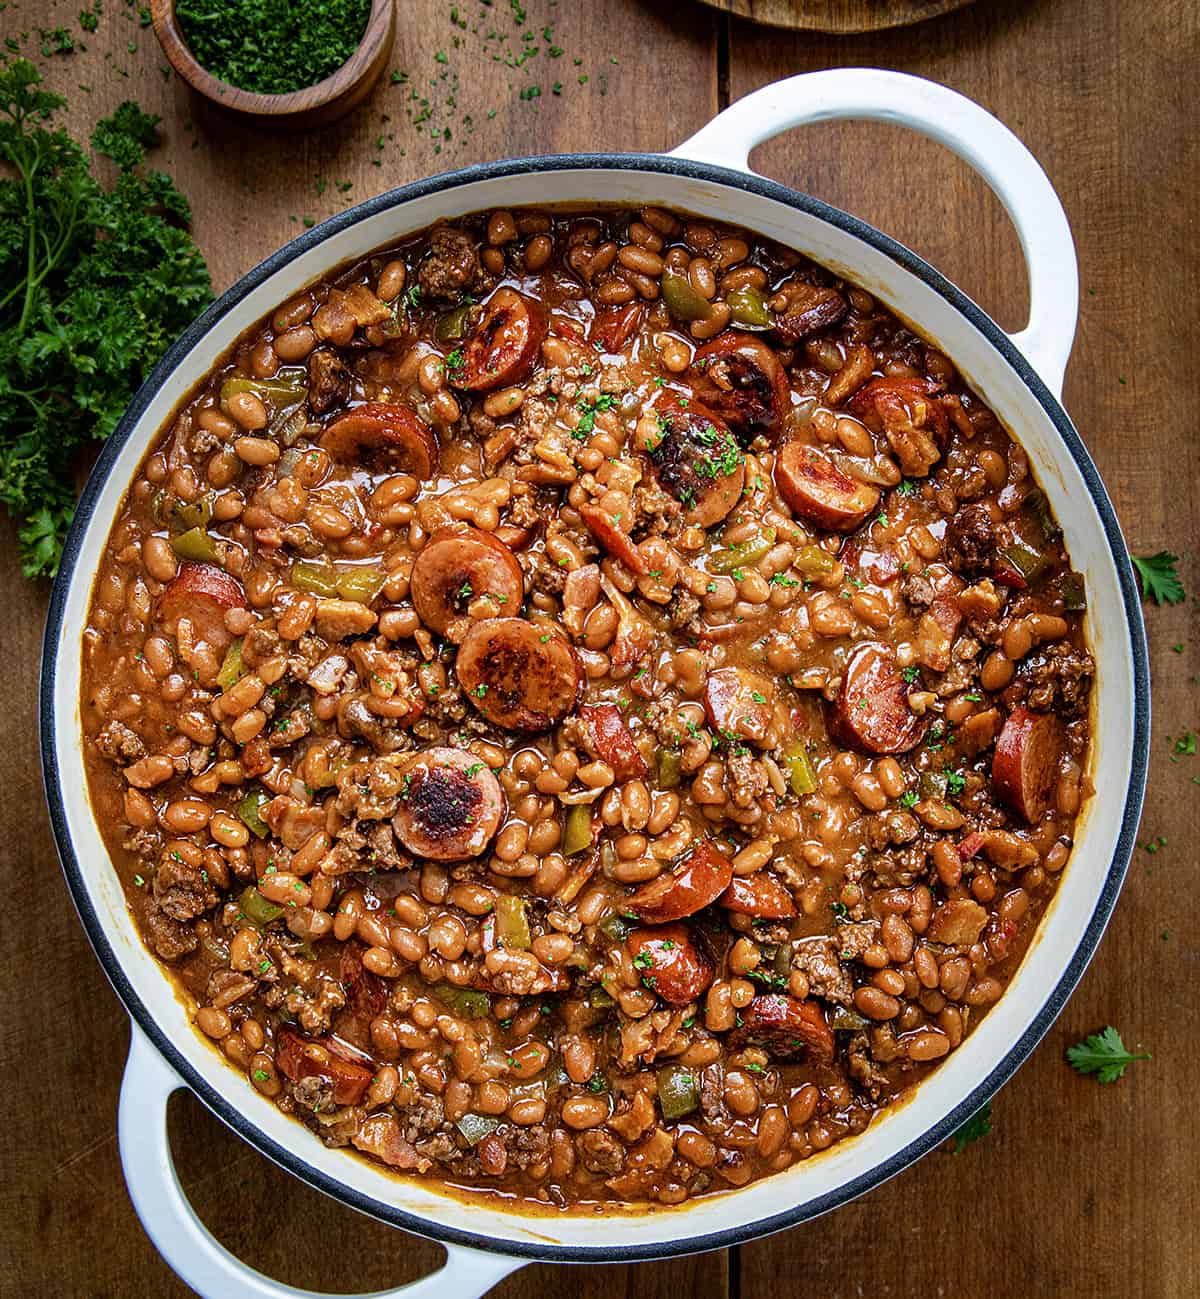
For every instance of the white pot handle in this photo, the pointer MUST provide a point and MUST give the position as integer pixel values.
(187, 1245)
(963, 127)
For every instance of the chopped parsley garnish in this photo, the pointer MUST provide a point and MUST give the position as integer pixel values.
(909, 798)
(587, 414)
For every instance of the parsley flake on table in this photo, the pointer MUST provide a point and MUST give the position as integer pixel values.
(1159, 578)
(1103, 1054)
(94, 284)
(978, 1125)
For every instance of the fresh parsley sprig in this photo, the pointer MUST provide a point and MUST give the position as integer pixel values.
(978, 1125)
(1103, 1054)
(1159, 577)
(94, 285)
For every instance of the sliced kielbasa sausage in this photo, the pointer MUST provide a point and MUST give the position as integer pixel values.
(201, 593)
(386, 434)
(739, 704)
(300, 1057)
(671, 962)
(786, 1029)
(524, 676)
(609, 533)
(450, 805)
(503, 345)
(606, 735)
(613, 327)
(1026, 760)
(742, 379)
(761, 895)
(872, 714)
(462, 566)
(694, 883)
(697, 459)
(819, 492)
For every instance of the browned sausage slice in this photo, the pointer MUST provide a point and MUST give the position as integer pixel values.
(606, 735)
(383, 433)
(460, 566)
(613, 327)
(818, 491)
(671, 962)
(450, 805)
(201, 593)
(504, 345)
(521, 675)
(739, 704)
(872, 713)
(299, 1058)
(760, 895)
(785, 1028)
(609, 533)
(742, 379)
(694, 883)
(697, 459)
(1025, 763)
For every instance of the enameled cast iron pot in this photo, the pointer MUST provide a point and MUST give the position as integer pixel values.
(1019, 377)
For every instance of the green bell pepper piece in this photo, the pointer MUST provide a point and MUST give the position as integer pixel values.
(187, 515)
(812, 561)
(232, 667)
(468, 1002)
(320, 579)
(257, 909)
(361, 584)
(512, 923)
(801, 775)
(746, 552)
(195, 544)
(669, 768)
(250, 812)
(452, 325)
(577, 835)
(477, 1126)
(749, 307)
(683, 301)
(678, 1091)
(842, 1020)
(289, 388)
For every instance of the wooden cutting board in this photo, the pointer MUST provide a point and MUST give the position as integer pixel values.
(838, 15)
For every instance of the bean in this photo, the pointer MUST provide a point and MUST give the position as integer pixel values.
(997, 671)
(927, 1044)
(159, 559)
(391, 281)
(538, 252)
(150, 771)
(583, 1112)
(256, 451)
(295, 344)
(186, 816)
(213, 1023)
(876, 1004)
(247, 409)
(285, 889)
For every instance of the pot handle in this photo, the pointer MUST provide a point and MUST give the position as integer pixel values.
(187, 1245)
(966, 129)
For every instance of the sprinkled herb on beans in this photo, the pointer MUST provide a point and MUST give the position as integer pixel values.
(588, 746)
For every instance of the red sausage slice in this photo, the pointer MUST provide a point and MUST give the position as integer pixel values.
(450, 805)
(906, 411)
(607, 736)
(1025, 763)
(818, 491)
(619, 544)
(383, 433)
(697, 460)
(742, 379)
(760, 895)
(504, 345)
(201, 593)
(872, 713)
(613, 327)
(692, 884)
(785, 1028)
(460, 566)
(521, 675)
(300, 1057)
(739, 704)
(671, 963)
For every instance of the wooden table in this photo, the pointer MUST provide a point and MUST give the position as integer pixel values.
(1081, 1189)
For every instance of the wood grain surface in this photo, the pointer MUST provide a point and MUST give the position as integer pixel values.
(838, 16)
(1081, 1189)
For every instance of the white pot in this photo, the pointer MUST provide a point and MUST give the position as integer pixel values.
(1020, 379)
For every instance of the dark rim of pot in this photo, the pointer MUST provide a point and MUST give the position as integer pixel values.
(292, 1159)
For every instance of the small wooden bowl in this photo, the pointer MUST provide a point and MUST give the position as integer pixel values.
(314, 105)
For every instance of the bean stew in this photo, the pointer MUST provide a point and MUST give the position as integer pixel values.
(587, 705)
